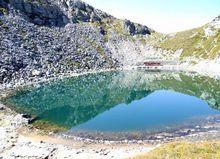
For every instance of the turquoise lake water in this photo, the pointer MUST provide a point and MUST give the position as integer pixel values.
(121, 101)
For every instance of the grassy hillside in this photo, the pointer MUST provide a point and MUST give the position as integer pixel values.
(197, 43)
(185, 150)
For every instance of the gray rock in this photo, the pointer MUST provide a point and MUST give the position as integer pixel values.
(134, 29)
(43, 39)
(95, 17)
(27, 7)
(41, 12)
(129, 27)
(80, 15)
(2, 107)
(144, 30)
(79, 4)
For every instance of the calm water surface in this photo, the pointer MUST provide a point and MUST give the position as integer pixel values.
(122, 101)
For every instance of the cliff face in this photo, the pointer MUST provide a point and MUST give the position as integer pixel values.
(43, 38)
(61, 12)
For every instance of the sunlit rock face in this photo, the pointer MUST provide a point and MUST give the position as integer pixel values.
(213, 27)
(216, 23)
(134, 53)
(79, 11)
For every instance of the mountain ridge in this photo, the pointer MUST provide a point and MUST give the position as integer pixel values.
(200, 43)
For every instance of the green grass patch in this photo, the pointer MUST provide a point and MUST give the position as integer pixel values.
(1, 22)
(3, 10)
(111, 24)
(48, 126)
(185, 150)
(3, 26)
(193, 42)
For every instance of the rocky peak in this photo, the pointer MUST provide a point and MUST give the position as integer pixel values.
(79, 11)
(60, 12)
(217, 22)
(211, 29)
(55, 13)
(133, 28)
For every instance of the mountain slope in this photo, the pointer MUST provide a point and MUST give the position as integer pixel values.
(45, 38)
(41, 39)
(199, 43)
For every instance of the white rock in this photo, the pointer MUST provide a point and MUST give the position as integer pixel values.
(209, 32)
(35, 73)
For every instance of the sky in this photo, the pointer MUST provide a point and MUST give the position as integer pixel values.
(165, 16)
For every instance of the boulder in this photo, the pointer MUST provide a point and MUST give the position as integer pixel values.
(129, 27)
(102, 30)
(36, 73)
(27, 8)
(79, 4)
(143, 30)
(133, 28)
(95, 17)
(80, 15)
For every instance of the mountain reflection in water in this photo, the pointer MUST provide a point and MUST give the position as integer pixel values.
(74, 101)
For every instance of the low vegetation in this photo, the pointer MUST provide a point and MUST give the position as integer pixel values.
(3, 11)
(48, 127)
(1, 22)
(185, 150)
(194, 43)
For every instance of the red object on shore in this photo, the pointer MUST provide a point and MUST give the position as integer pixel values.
(152, 64)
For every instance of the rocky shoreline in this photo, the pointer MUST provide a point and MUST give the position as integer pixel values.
(21, 140)
(208, 125)
(18, 141)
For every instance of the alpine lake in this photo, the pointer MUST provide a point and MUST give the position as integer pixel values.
(121, 102)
